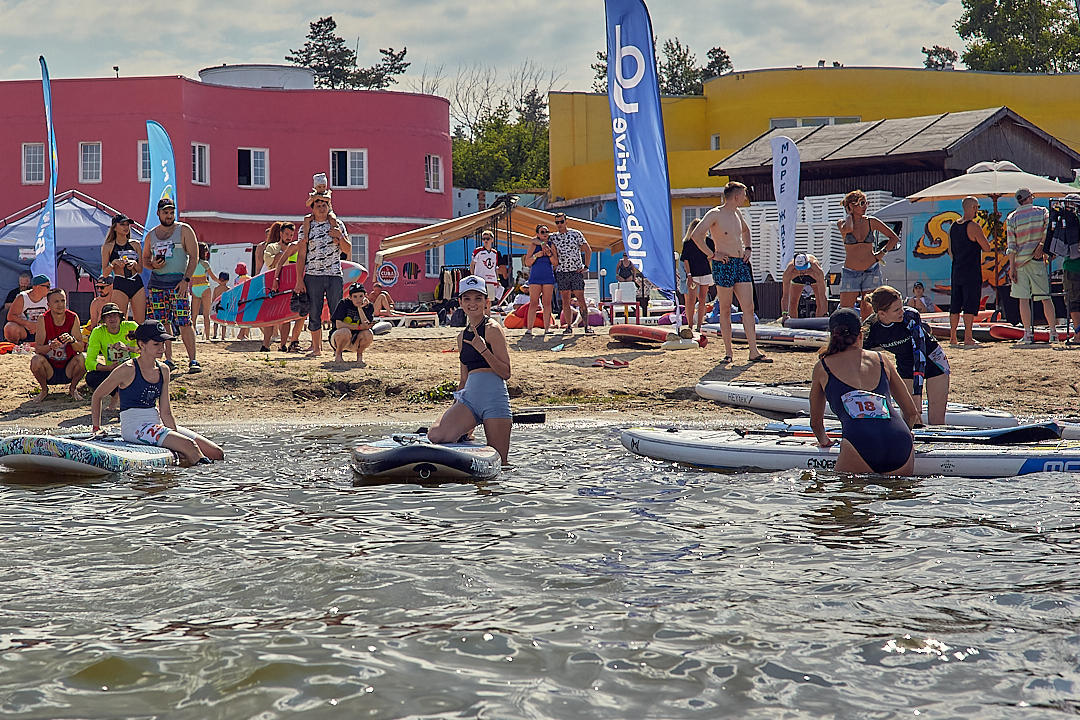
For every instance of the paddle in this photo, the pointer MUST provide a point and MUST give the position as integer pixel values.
(1020, 434)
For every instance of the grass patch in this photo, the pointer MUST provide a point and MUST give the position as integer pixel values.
(440, 393)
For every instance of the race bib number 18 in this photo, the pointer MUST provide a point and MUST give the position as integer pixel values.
(863, 404)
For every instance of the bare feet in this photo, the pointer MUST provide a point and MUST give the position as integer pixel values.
(42, 395)
(338, 358)
(74, 393)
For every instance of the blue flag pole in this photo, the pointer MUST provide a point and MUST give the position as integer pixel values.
(642, 185)
(162, 177)
(45, 241)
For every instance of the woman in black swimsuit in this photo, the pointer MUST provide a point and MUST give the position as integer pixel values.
(121, 257)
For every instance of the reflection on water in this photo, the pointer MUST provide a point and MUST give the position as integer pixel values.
(584, 582)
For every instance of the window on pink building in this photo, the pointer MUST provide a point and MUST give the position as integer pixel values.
(90, 162)
(359, 249)
(200, 164)
(253, 167)
(348, 168)
(144, 161)
(433, 173)
(33, 163)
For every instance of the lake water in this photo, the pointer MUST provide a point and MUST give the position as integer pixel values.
(586, 583)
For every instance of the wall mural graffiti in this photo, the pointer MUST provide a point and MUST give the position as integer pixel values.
(934, 243)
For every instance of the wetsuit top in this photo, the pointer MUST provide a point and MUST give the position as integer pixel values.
(470, 357)
(140, 393)
(909, 341)
(59, 357)
(125, 251)
(850, 238)
(625, 272)
(870, 421)
(966, 255)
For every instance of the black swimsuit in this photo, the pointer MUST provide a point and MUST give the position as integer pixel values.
(128, 284)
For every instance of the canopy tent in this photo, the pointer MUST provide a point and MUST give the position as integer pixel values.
(523, 222)
(81, 224)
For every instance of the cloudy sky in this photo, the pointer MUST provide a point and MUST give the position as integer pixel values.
(86, 38)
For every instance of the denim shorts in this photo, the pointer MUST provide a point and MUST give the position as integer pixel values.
(486, 397)
(861, 280)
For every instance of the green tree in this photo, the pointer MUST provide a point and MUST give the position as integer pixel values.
(1020, 35)
(939, 58)
(335, 64)
(502, 154)
(678, 70)
(326, 54)
(719, 63)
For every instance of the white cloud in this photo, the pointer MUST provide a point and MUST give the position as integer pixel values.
(87, 37)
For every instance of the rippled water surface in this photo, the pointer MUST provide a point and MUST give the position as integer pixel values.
(585, 583)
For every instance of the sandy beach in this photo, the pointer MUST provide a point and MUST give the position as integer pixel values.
(404, 368)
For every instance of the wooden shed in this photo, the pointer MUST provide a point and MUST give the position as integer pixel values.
(903, 155)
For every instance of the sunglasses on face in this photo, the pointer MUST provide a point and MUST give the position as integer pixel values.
(860, 203)
(543, 232)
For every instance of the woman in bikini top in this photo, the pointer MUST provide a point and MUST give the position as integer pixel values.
(859, 254)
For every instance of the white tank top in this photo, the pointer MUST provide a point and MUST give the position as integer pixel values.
(33, 310)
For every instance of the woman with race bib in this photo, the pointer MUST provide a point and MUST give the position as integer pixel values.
(860, 386)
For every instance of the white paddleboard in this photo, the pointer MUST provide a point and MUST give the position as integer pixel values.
(412, 457)
(796, 399)
(78, 455)
(726, 450)
(773, 335)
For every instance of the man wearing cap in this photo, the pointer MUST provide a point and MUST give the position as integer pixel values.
(28, 306)
(803, 270)
(58, 347)
(1026, 231)
(24, 284)
(570, 273)
(171, 251)
(918, 299)
(110, 344)
(353, 320)
(967, 243)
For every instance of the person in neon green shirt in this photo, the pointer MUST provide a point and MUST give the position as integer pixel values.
(108, 347)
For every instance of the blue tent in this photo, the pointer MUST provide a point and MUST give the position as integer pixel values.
(81, 225)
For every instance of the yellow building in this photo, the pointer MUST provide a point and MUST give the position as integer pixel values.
(740, 106)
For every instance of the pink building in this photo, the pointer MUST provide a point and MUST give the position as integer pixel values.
(244, 155)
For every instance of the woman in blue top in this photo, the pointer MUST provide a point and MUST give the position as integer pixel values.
(541, 261)
(144, 388)
(481, 396)
(860, 386)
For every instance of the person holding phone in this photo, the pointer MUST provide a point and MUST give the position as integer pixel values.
(541, 260)
(171, 251)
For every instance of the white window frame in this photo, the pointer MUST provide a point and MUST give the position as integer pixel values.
(143, 148)
(25, 181)
(265, 185)
(691, 213)
(434, 254)
(433, 174)
(363, 153)
(815, 121)
(715, 142)
(360, 258)
(195, 179)
(84, 179)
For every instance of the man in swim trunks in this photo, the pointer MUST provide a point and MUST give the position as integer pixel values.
(382, 303)
(731, 265)
(171, 251)
(803, 270)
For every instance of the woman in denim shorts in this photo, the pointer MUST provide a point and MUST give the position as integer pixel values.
(862, 268)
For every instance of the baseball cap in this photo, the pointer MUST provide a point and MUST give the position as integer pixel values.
(152, 330)
(166, 202)
(121, 218)
(111, 309)
(802, 262)
(846, 319)
(1072, 197)
(918, 283)
(357, 288)
(40, 280)
(1022, 194)
(472, 282)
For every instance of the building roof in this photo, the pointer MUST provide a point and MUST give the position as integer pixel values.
(930, 139)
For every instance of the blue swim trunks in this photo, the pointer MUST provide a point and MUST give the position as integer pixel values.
(735, 270)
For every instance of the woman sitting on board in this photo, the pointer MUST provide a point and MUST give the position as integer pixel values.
(859, 386)
(919, 358)
(485, 367)
(144, 388)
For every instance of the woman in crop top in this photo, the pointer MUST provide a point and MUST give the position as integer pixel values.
(121, 257)
(481, 396)
(862, 268)
(145, 413)
(860, 387)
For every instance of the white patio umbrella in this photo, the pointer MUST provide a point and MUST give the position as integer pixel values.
(992, 180)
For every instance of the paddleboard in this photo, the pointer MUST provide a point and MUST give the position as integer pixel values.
(254, 304)
(727, 450)
(412, 457)
(773, 335)
(794, 400)
(1030, 433)
(78, 455)
(981, 331)
(812, 323)
(1011, 332)
(697, 341)
(382, 327)
(641, 334)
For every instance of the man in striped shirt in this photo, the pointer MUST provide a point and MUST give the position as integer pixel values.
(1026, 230)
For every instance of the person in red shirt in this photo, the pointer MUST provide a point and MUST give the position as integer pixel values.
(58, 348)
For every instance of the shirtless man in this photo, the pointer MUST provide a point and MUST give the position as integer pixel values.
(803, 270)
(383, 303)
(731, 265)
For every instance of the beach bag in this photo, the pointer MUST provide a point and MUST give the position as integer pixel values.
(458, 319)
(300, 304)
